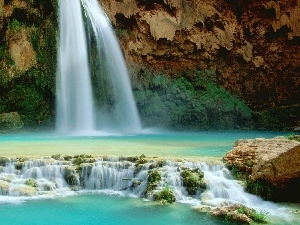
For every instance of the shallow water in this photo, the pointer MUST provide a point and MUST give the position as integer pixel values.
(101, 209)
(200, 144)
(87, 208)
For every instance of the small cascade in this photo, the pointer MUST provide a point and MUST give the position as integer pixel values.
(129, 176)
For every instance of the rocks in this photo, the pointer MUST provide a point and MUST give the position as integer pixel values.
(271, 167)
(71, 176)
(192, 180)
(249, 44)
(166, 195)
(240, 213)
(10, 122)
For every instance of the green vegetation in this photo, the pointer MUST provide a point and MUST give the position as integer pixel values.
(71, 176)
(261, 188)
(256, 216)
(191, 101)
(31, 183)
(154, 177)
(14, 25)
(193, 180)
(56, 157)
(293, 136)
(278, 118)
(166, 195)
(31, 92)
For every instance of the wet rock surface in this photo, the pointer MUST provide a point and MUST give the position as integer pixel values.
(271, 167)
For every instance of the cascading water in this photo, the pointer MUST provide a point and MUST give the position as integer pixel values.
(75, 111)
(114, 108)
(49, 177)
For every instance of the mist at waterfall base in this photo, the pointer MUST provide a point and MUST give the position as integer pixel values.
(91, 103)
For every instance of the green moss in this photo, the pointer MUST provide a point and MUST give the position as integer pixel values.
(18, 165)
(293, 136)
(31, 183)
(192, 180)
(56, 157)
(165, 196)
(191, 101)
(261, 188)
(14, 25)
(3, 161)
(154, 176)
(71, 176)
(77, 161)
(31, 93)
(255, 215)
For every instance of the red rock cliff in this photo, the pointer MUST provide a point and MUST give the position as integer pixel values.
(254, 46)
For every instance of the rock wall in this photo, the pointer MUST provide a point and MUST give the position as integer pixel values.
(28, 59)
(253, 46)
(270, 166)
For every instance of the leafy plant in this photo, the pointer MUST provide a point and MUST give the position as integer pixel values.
(31, 183)
(192, 180)
(14, 25)
(166, 195)
(256, 216)
(293, 136)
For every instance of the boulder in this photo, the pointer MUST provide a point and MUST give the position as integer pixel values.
(240, 213)
(10, 122)
(271, 167)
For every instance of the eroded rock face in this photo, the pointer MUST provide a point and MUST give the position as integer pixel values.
(21, 50)
(252, 45)
(270, 166)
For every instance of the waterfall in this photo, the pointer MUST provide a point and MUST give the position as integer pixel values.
(120, 175)
(91, 102)
(75, 112)
(47, 177)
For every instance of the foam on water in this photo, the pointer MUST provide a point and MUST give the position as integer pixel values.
(115, 177)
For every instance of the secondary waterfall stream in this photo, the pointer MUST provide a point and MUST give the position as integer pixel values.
(86, 104)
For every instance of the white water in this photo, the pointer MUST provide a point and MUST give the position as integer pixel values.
(77, 111)
(74, 93)
(121, 177)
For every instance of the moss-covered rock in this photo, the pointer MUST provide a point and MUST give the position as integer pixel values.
(190, 101)
(31, 183)
(3, 161)
(10, 122)
(154, 176)
(240, 213)
(18, 165)
(71, 176)
(166, 195)
(193, 180)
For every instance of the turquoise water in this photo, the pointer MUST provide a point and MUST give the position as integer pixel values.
(107, 209)
(102, 209)
(200, 144)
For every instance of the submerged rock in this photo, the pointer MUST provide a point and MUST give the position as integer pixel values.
(271, 167)
(10, 122)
